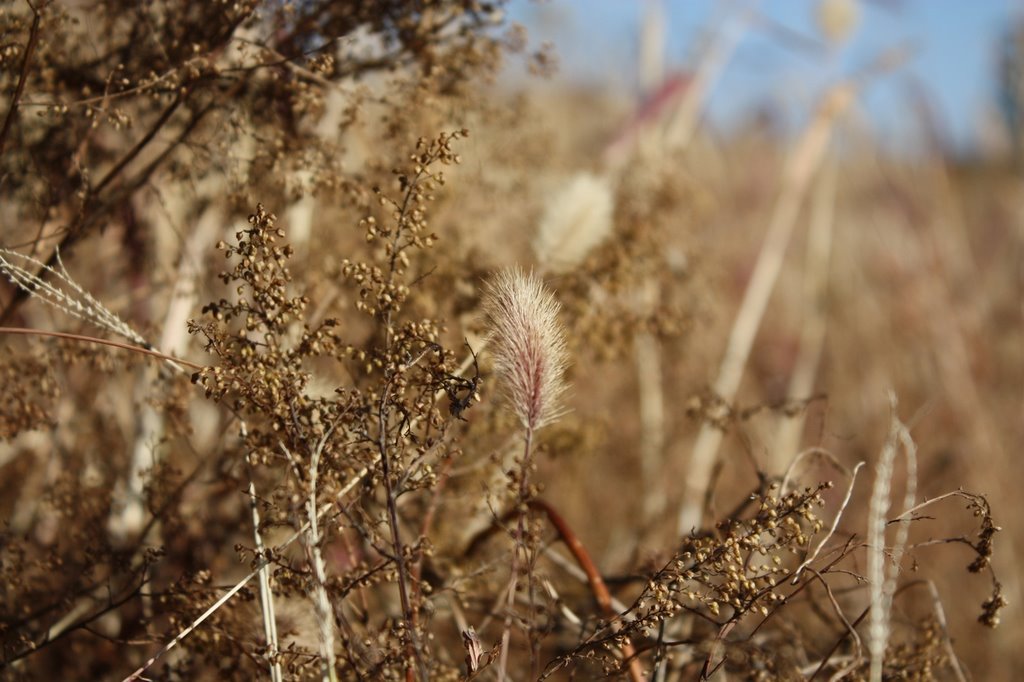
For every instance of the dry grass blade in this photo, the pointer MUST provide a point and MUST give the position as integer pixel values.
(66, 295)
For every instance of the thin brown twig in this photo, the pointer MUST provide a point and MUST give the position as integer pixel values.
(841, 553)
(706, 670)
(103, 342)
(953, 493)
(842, 616)
(396, 540)
(140, 145)
(520, 545)
(33, 38)
(947, 641)
(854, 624)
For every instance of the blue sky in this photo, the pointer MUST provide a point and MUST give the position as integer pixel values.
(954, 60)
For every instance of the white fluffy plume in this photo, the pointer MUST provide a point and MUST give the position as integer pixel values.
(576, 219)
(528, 343)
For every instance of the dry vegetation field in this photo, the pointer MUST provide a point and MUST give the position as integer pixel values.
(325, 354)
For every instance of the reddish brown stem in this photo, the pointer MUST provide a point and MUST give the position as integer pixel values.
(597, 585)
(104, 342)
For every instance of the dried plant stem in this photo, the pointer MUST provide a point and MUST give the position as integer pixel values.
(800, 170)
(832, 529)
(171, 360)
(821, 453)
(584, 569)
(647, 356)
(850, 628)
(684, 123)
(563, 608)
(128, 514)
(260, 563)
(247, 579)
(482, 516)
(314, 555)
(816, 668)
(19, 89)
(69, 620)
(932, 500)
(321, 600)
(594, 579)
(196, 623)
(396, 541)
(815, 323)
(882, 582)
(425, 528)
(580, 575)
(947, 642)
(652, 45)
(266, 594)
(520, 541)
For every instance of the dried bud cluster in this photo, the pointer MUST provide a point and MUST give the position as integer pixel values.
(252, 335)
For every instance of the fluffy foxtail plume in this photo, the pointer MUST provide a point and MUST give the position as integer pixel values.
(528, 343)
(576, 219)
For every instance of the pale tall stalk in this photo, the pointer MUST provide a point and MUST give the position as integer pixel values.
(814, 325)
(803, 164)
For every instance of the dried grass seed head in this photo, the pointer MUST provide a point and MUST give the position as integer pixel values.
(527, 341)
(576, 220)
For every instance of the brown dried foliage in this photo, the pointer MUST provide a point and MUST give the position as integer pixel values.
(338, 378)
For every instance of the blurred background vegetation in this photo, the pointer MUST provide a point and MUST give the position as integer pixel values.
(760, 220)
